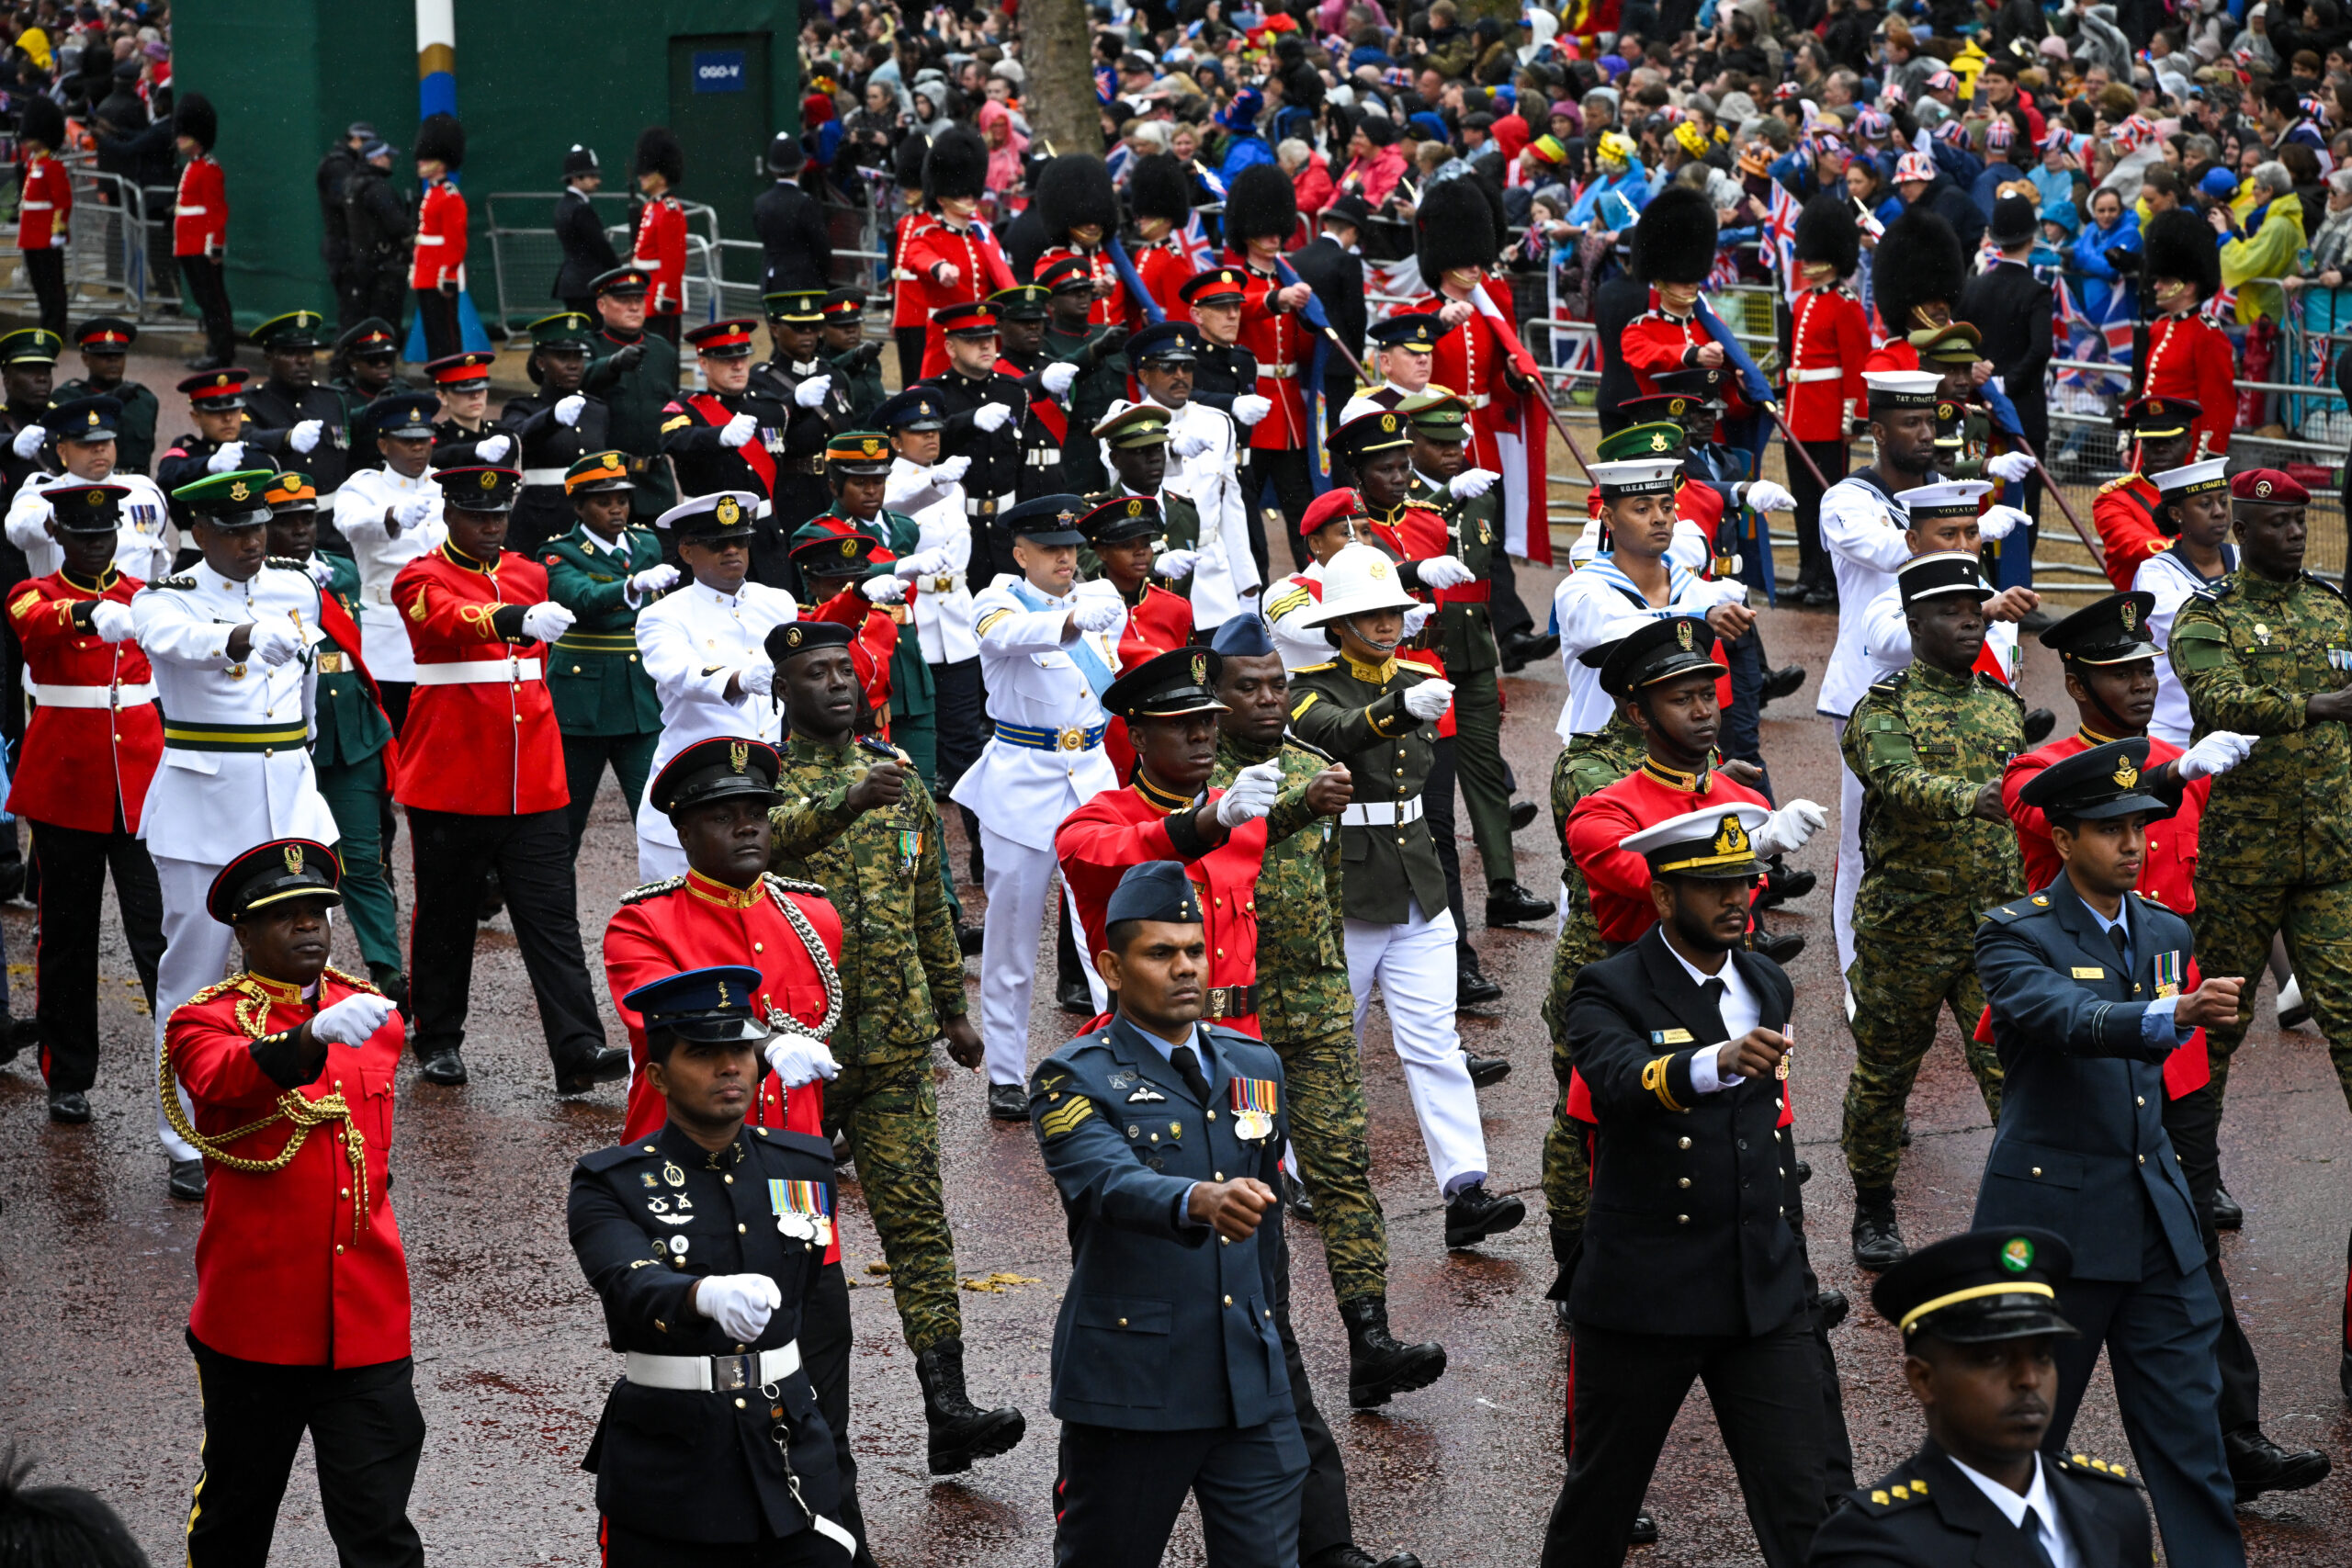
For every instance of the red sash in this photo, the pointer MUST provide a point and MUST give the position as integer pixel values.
(1051, 415)
(753, 452)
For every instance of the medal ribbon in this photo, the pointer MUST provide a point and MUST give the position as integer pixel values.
(1253, 1094)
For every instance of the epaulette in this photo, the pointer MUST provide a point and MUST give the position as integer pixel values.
(2002, 686)
(1889, 1496)
(2097, 1469)
(1317, 669)
(218, 988)
(2322, 582)
(785, 884)
(2117, 483)
(1406, 661)
(288, 563)
(173, 582)
(799, 1143)
(601, 1160)
(355, 982)
(653, 889)
(1892, 684)
(2017, 909)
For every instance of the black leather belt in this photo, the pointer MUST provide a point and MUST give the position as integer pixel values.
(812, 464)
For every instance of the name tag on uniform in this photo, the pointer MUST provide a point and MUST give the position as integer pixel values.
(1670, 1037)
(2089, 971)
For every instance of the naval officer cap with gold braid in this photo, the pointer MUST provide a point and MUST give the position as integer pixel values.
(1717, 844)
(1979, 1287)
(269, 874)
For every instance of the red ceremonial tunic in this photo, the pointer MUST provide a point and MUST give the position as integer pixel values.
(200, 210)
(662, 254)
(980, 271)
(2125, 511)
(440, 239)
(483, 743)
(1895, 354)
(874, 639)
(1284, 346)
(2190, 357)
(1164, 268)
(1829, 344)
(1469, 361)
(1116, 305)
(303, 1265)
(46, 203)
(96, 737)
(906, 298)
(1160, 622)
(1118, 829)
(1657, 343)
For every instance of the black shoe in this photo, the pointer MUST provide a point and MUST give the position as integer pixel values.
(2039, 723)
(2227, 1215)
(1297, 1204)
(12, 878)
(1562, 1318)
(1878, 1241)
(69, 1106)
(1473, 987)
(1508, 904)
(1780, 885)
(1474, 1214)
(445, 1067)
(605, 1064)
(1007, 1103)
(1804, 1170)
(1378, 1364)
(1071, 995)
(968, 939)
(1523, 647)
(1781, 683)
(187, 1180)
(1485, 1070)
(1522, 816)
(494, 899)
(960, 1431)
(1778, 946)
(1645, 1531)
(2258, 1465)
(1833, 1307)
(1348, 1554)
(17, 1034)
(1906, 1132)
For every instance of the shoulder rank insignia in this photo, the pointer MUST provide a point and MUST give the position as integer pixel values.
(653, 889)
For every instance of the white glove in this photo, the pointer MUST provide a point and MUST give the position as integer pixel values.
(1428, 700)
(1471, 483)
(1099, 613)
(2011, 466)
(800, 1059)
(1765, 496)
(922, 563)
(304, 437)
(1057, 379)
(546, 621)
(2217, 753)
(654, 580)
(812, 393)
(884, 590)
(736, 430)
(112, 621)
(568, 410)
(322, 570)
(352, 1021)
(274, 639)
(1445, 571)
(989, 418)
(230, 456)
(29, 440)
(1177, 565)
(1416, 618)
(1789, 827)
(1191, 443)
(494, 448)
(414, 512)
(2000, 521)
(951, 470)
(740, 1303)
(757, 678)
(1251, 794)
(1248, 408)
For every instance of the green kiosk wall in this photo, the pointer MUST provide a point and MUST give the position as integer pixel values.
(288, 75)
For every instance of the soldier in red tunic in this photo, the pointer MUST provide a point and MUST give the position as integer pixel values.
(1830, 339)
(909, 313)
(2128, 509)
(302, 1315)
(662, 232)
(1917, 275)
(90, 747)
(2189, 357)
(1160, 195)
(1673, 250)
(1260, 220)
(438, 273)
(1122, 532)
(953, 260)
(1080, 212)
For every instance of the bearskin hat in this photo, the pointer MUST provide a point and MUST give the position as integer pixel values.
(1260, 203)
(1073, 191)
(909, 161)
(1918, 261)
(441, 137)
(658, 152)
(42, 121)
(958, 166)
(1454, 227)
(1157, 188)
(1826, 232)
(2177, 244)
(1675, 241)
(196, 119)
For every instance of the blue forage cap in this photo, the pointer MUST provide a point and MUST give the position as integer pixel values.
(711, 1005)
(1243, 637)
(1154, 890)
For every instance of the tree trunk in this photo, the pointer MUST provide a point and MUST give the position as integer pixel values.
(1058, 54)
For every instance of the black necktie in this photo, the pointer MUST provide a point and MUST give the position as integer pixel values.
(2123, 953)
(2030, 1527)
(1186, 1062)
(1713, 990)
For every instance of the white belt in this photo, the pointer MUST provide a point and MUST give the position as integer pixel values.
(544, 475)
(478, 673)
(1480, 399)
(1382, 813)
(950, 584)
(187, 211)
(1042, 456)
(712, 1374)
(379, 597)
(36, 207)
(902, 275)
(1827, 373)
(1278, 372)
(92, 696)
(432, 239)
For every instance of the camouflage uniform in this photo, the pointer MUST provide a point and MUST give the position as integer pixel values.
(2275, 844)
(1923, 743)
(901, 979)
(1307, 1013)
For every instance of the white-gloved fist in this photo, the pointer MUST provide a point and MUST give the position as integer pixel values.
(1248, 408)
(414, 512)
(494, 448)
(950, 471)
(568, 410)
(1998, 523)
(1057, 379)
(322, 570)
(801, 1059)
(1763, 495)
(1251, 794)
(112, 621)
(546, 621)
(1430, 699)
(1176, 565)
(352, 1021)
(2217, 753)
(935, 562)
(231, 458)
(1099, 613)
(812, 393)
(737, 431)
(1471, 483)
(989, 418)
(30, 440)
(654, 579)
(759, 679)
(304, 437)
(1445, 571)
(740, 1303)
(1416, 618)
(274, 640)
(1191, 443)
(1789, 827)
(884, 590)
(2011, 466)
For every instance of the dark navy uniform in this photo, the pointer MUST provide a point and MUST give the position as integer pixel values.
(1925, 1514)
(545, 445)
(992, 481)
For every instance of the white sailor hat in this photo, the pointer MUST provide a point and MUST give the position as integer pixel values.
(1717, 841)
(2193, 479)
(1950, 499)
(1641, 476)
(1902, 389)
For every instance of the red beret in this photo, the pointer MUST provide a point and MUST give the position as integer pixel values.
(2269, 486)
(1328, 508)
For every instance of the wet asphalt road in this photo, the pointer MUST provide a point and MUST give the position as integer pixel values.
(96, 1379)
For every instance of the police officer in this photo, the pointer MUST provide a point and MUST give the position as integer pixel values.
(637, 375)
(1981, 1328)
(731, 438)
(105, 343)
(553, 428)
(290, 415)
(375, 282)
(2090, 987)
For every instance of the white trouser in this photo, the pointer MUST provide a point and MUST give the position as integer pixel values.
(1415, 967)
(656, 861)
(1018, 880)
(196, 954)
(1850, 853)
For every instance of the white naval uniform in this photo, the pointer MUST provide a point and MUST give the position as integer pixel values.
(206, 806)
(1226, 577)
(141, 548)
(942, 607)
(1863, 534)
(2168, 576)
(359, 508)
(692, 639)
(1598, 604)
(1021, 793)
(1691, 548)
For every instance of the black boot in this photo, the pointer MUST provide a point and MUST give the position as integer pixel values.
(1645, 1531)
(444, 1067)
(1007, 1103)
(599, 1063)
(1780, 885)
(1508, 904)
(1485, 1070)
(1781, 947)
(1348, 1554)
(392, 983)
(1878, 1241)
(960, 1431)
(968, 939)
(1474, 1214)
(1567, 1249)
(1378, 1365)
(1522, 816)
(1832, 1307)
(1781, 683)
(1296, 1202)
(1072, 997)
(2039, 723)
(2258, 1465)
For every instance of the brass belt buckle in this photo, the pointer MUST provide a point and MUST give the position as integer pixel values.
(1220, 1001)
(729, 1374)
(1072, 740)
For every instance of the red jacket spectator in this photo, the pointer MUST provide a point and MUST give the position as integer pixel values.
(1316, 187)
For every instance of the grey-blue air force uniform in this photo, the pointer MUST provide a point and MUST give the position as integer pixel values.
(2081, 1150)
(1168, 1363)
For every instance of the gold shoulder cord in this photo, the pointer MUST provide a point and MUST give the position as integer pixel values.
(777, 1017)
(293, 1107)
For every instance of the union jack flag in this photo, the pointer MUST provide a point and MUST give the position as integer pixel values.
(1780, 248)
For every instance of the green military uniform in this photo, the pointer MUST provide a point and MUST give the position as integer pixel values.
(1102, 379)
(134, 441)
(914, 696)
(604, 701)
(901, 979)
(2275, 843)
(1356, 712)
(636, 401)
(1180, 522)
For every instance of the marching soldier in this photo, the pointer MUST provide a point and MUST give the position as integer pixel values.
(1202, 443)
(730, 438)
(362, 369)
(1830, 337)
(1124, 533)
(1159, 198)
(216, 402)
(909, 315)
(1260, 212)
(84, 433)
(462, 434)
(1917, 274)
(637, 375)
(801, 377)
(105, 343)
(605, 571)
(290, 415)
(848, 584)
(2128, 512)
(553, 429)
(1073, 338)
(856, 364)
(391, 515)
(984, 414)
(1224, 378)
(2195, 508)
(1077, 211)
(1045, 426)
(2188, 359)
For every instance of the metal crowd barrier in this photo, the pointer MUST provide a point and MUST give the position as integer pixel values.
(108, 249)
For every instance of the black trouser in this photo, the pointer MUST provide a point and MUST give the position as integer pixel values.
(586, 758)
(74, 864)
(1117, 1492)
(211, 292)
(1289, 474)
(437, 312)
(1323, 1520)
(1813, 569)
(46, 269)
(2193, 1123)
(1507, 613)
(625, 1548)
(910, 341)
(825, 1344)
(1437, 803)
(1743, 722)
(962, 708)
(395, 695)
(452, 852)
(366, 1432)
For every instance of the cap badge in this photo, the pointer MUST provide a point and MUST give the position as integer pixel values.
(1389, 424)
(2261, 487)
(1677, 406)
(792, 636)
(1659, 442)
(2017, 1255)
(97, 497)
(873, 448)
(1947, 412)
(1682, 634)
(1200, 670)
(2130, 613)
(2156, 405)
(722, 993)
(848, 547)
(738, 755)
(729, 511)
(294, 858)
(2126, 775)
(220, 380)
(1065, 516)
(238, 491)
(1377, 570)
(1135, 507)
(1733, 840)
(609, 460)
(490, 478)
(94, 416)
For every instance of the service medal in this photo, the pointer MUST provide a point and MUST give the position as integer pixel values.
(1252, 1125)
